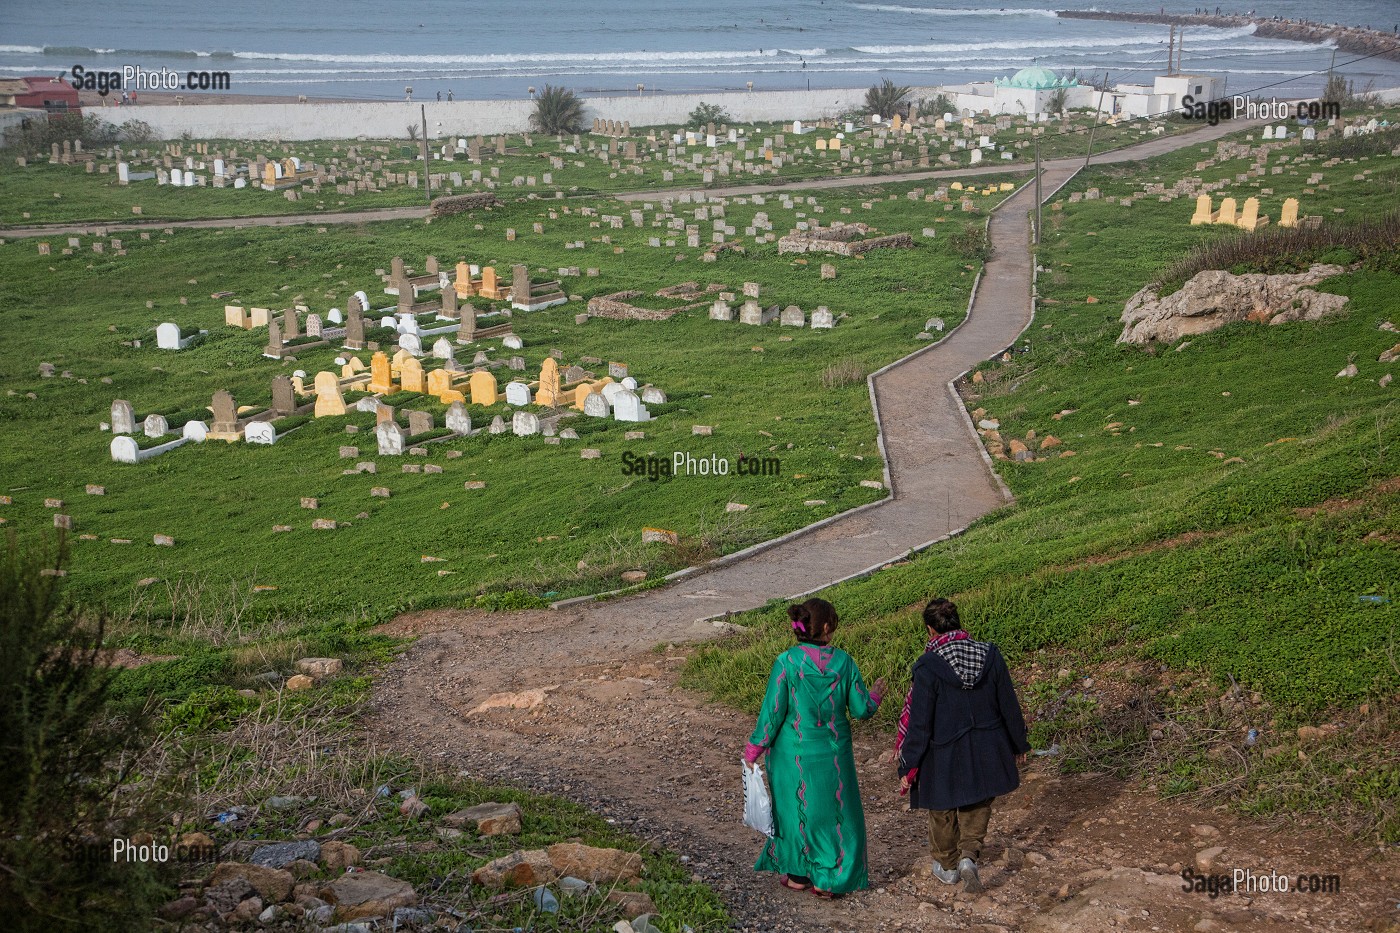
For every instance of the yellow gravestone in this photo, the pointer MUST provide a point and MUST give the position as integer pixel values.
(1250, 219)
(1289, 216)
(329, 401)
(482, 386)
(1227, 212)
(381, 379)
(463, 283)
(549, 393)
(411, 375)
(1203, 213)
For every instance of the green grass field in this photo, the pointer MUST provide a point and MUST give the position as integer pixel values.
(1153, 560)
(760, 389)
(51, 193)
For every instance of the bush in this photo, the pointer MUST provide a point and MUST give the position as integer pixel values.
(937, 106)
(971, 243)
(887, 99)
(705, 114)
(1276, 250)
(557, 112)
(136, 131)
(64, 752)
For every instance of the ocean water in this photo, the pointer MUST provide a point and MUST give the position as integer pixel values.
(373, 49)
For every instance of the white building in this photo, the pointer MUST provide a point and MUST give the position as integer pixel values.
(1033, 90)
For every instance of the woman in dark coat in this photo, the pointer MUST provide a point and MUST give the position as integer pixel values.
(961, 740)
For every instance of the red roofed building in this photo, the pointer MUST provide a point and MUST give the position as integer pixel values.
(54, 95)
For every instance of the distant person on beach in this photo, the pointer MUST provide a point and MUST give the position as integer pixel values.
(819, 826)
(961, 739)
(449, 95)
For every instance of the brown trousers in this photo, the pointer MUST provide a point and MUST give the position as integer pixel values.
(959, 834)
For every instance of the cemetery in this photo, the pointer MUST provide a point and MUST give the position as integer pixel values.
(469, 408)
(437, 369)
(230, 178)
(454, 355)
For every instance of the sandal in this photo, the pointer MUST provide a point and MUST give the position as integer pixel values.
(791, 885)
(827, 895)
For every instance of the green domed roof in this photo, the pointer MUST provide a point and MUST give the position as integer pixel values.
(1036, 78)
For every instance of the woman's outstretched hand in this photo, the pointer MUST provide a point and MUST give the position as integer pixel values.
(878, 689)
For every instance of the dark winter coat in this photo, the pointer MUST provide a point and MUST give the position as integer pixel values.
(964, 731)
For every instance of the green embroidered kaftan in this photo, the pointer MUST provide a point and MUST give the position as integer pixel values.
(818, 821)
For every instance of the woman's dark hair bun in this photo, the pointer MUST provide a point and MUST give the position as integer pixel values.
(798, 613)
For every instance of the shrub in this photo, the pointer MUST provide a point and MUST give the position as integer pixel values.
(557, 112)
(136, 131)
(938, 106)
(971, 243)
(64, 752)
(887, 99)
(705, 114)
(1275, 250)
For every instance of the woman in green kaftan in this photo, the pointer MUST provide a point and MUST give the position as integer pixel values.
(819, 826)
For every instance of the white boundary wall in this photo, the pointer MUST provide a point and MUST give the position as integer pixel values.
(380, 120)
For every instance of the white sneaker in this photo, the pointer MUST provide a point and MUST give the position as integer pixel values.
(967, 868)
(945, 875)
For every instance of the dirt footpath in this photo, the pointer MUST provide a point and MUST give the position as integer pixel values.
(613, 731)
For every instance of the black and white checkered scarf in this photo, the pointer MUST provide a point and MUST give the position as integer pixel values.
(966, 657)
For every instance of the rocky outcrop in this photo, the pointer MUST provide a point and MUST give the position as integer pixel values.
(841, 241)
(460, 203)
(1214, 298)
(367, 894)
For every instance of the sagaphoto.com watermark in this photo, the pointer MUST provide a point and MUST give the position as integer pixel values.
(682, 463)
(1248, 882)
(135, 78)
(1243, 107)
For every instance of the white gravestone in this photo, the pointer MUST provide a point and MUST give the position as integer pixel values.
(458, 420)
(595, 406)
(524, 423)
(195, 431)
(124, 449)
(168, 336)
(390, 438)
(518, 393)
(260, 432)
(627, 407)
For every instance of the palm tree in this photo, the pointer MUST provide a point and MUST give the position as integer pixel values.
(557, 111)
(887, 99)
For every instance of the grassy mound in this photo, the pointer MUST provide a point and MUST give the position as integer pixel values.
(1211, 549)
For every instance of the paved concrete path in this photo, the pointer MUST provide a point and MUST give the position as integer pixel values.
(941, 478)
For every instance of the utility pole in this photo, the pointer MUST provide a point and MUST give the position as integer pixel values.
(427, 166)
(1171, 45)
(1099, 110)
(1037, 191)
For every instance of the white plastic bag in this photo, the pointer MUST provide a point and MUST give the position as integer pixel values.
(758, 805)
